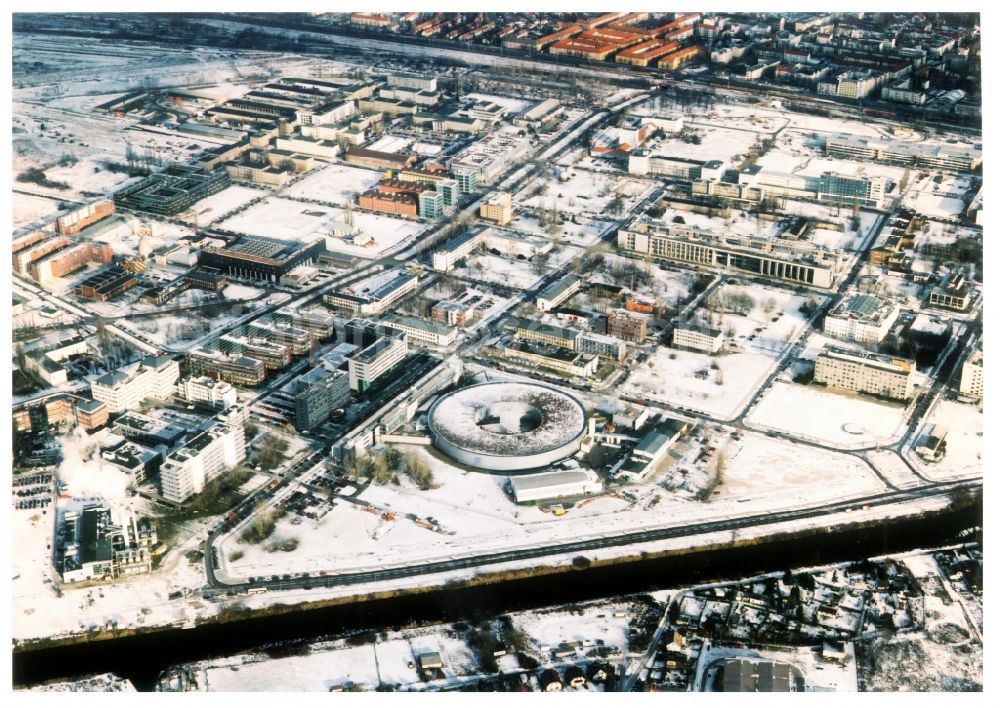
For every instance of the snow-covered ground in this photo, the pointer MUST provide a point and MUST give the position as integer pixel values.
(336, 182)
(281, 218)
(833, 415)
(691, 379)
(497, 269)
(29, 208)
(583, 232)
(726, 144)
(963, 457)
(584, 191)
(211, 208)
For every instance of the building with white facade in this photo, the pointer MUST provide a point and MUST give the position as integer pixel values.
(486, 160)
(558, 293)
(861, 318)
(123, 390)
(104, 543)
(697, 336)
(509, 243)
(901, 152)
(204, 389)
(556, 484)
(864, 372)
(971, 384)
(367, 366)
(201, 459)
(422, 332)
(791, 261)
(375, 295)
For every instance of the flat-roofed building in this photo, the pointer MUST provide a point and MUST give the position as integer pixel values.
(511, 244)
(626, 327)
(91, 414)
(204, 389)
(103, 543)
(541, 115)
(232, 368)
(697, 336)
(754, 675)
(317, 393)
(533, 330)
(558, 293)
(487, 160)
(125, 389)
(376, 360)
(423, 332)
(953, 294)
(865, 372)
(201, 459)
(603, 346)
(971, 384)
(457, 314)
(498, 207)
(373, 296)
(550, 356)
(804, 263)
(555, 484)
(900, 152)
(171, 191)
(862, 318)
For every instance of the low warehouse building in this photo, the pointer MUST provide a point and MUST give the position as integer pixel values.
(554, 485)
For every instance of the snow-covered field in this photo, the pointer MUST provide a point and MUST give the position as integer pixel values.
(497, 269)
(584, 191)
(211, 208)
(963, 458)
(584, 232)
(29, 208)
(336, 182)
(728, 145)
(783, 405)
(690, 379)
(288, 219)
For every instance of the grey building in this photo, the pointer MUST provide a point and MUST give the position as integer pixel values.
(318, 393)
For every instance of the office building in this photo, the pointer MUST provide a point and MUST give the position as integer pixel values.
(486, 160)
(374, 295)
(171, 191)
(697, 336)
(532, 330)
(186, 471)
(231, 368)
(317, 393)
(260, 258)
(550, 356)
(603, 346)
(125, 390)
(457, 314)
(204, 389)
(792, 261)
(886, 376)
(422, 332)
(862, 318)
(971, 384)
(626, 327)
(953, 294)
(906, 153)
(498, 208)
(376, 360)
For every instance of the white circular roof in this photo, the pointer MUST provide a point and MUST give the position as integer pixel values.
(507, 418)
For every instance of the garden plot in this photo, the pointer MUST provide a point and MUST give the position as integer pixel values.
(728, 145)
(581, 230)
(839, 419)
(577, 191)
(336, 182)
(963, 457)
(211, 208)
(668, 286)
(489, 268)
(939, 196)
(29, 208)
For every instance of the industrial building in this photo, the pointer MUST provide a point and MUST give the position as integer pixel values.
(862, 318)
(204, 389)
(651, 449)
(557, 484)
(802, 263)
(261, 258)
(864, 372)
(376, 360)
(375, 295)
(541, 115)
(102, 543)
(171, 191)
(125, 390)
(106, 284)
(317, 393)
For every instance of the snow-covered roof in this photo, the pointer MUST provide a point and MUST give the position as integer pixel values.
(462, 418)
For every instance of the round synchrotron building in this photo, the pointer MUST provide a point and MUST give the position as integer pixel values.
(507, 426)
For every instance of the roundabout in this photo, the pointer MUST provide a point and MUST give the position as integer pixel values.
(507, 426)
